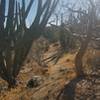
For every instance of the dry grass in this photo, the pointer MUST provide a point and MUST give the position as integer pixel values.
(55, 77)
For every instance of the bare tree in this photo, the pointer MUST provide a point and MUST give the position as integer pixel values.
(84, 25)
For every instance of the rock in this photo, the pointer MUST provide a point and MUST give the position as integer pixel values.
(35, 82)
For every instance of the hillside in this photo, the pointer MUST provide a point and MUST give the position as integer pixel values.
(52, 78)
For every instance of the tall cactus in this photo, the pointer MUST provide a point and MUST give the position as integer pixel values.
(15, 39)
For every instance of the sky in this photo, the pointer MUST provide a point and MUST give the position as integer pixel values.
(59, 9)
(32, 13)
(33, 10)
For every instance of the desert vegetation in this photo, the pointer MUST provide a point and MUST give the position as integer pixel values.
(54, 56)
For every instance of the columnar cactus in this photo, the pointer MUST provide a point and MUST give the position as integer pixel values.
(15, 38)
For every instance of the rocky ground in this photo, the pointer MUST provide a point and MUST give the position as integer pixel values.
(49, 80)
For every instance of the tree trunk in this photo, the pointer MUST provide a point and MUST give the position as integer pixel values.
(79, 57)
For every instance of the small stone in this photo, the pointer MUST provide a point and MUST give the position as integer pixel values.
(35, 82)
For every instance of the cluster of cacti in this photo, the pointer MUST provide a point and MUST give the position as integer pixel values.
(15, 38)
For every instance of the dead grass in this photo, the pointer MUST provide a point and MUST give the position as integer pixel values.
(55, 77)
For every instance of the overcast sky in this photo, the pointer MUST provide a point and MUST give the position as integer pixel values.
(59, 9)
(34, 6)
